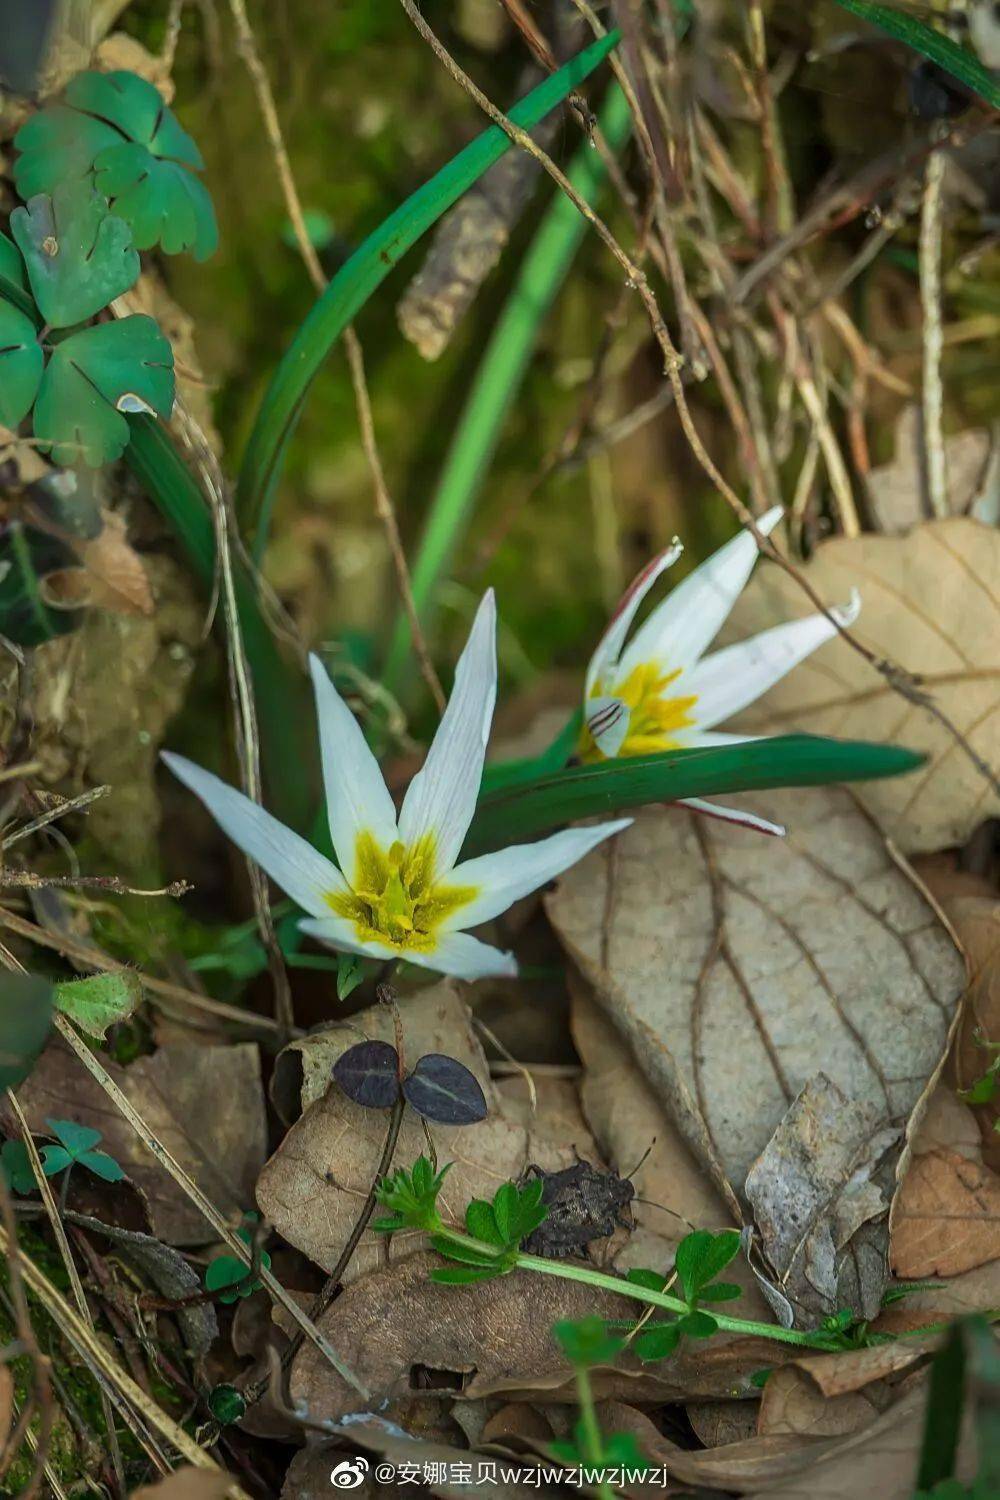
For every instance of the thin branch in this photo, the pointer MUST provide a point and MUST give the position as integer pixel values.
(930, 302)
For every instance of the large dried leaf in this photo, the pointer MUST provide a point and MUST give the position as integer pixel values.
(930, 603)
(205, 1104)
(498, 1335)
(741, 971)
(793, 1403)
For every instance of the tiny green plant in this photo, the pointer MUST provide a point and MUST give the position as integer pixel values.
(986, 1088)
(490, 1243)
(76, 1147)
(588, 1342)
(229, 1277)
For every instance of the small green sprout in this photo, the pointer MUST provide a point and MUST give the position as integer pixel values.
(77, 1144)
(411, 1198)
(700, 1257)
(229, 1276)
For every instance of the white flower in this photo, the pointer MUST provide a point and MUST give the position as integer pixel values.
(399, 892)
(661, 692)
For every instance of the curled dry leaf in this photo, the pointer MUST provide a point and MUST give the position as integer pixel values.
(111, 574)
(740, 973)
(205, 1104)
(929, 603)
(498, 1334)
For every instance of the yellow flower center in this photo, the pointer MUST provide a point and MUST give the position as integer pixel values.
(394, 898)
(654, 716)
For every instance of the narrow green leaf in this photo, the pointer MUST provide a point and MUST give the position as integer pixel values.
(481, 1223)
(367, 268)
(945, 1405)
(498, 379)
(100, 1001)
(25, 1017)
(941, 49)
(519, 812)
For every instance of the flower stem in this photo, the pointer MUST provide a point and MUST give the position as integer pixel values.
(590, 1431)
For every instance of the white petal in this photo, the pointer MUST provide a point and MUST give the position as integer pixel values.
(609, 647)
(301, 871)
(692, 614)
(357, 798)
(728, 680)
(466, 958)
(607, 722)
(733, 815)
(506, 876)
(441, 798)
(342, 934)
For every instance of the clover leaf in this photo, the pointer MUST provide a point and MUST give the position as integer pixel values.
(164, 203)
(77, 1144)
(117, 126)
(92, 378)
(57, 145)
(78, 253)
(21, 362)
(16, 1165)
(230, 1277)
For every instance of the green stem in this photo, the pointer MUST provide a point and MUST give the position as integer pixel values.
(592, 1277)
(367, 268)
(500, 372)
(593, 1444)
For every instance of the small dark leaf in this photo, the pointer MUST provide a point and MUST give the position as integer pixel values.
(369, 1074)
(442, 1090)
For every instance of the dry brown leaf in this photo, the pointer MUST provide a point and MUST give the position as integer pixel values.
(930, 604)
(111, 574)
(896, 491)
(188, 1483)
(206, 1105)
(718, 1422)
(880, 1460)
(741, 970)
(970, 903)
(793, 1403)
(435, 1019)
(947, 1217)
(499, 1334)
(673, 1193)
(853, 1369)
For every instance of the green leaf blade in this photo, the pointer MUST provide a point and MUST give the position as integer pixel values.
(25, 1017)
(933, 44)
(700, 1257)
(367, 268)
(520, 811)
